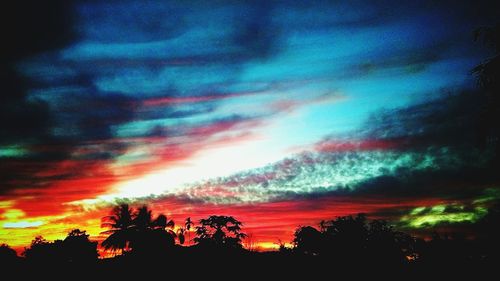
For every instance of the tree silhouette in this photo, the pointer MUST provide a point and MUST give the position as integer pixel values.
(41, 250)
(143, 219)
(488, 231)
(162, 222)
(220, 232)
(346, 236)
(354, 238)
(137, 232)
(75, 248)
(78, 247)
(181, 236)
(152, 236)
(308, 240)
(342, 242)
(120, 233)
(188, 224)
(7, 255)
(385, 245)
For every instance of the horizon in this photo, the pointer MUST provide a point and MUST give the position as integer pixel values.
(279, 114)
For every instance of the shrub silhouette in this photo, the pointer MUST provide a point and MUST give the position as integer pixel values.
(7, 255)
(42, 250)
(78, 248)
(75, 248)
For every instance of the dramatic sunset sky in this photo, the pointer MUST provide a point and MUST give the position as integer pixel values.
(279, 113)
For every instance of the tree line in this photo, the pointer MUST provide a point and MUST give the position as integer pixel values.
(346, 239)
(139, 232)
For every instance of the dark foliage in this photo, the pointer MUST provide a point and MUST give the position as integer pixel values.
(7, 254)
(75, 248)
(350, 245)
(137, 232)
(220, 232)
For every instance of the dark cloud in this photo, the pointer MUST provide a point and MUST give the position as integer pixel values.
(49, 128)
(448, 119)
(89, 116)
(255, 32)
(460, 184)
(433, 154)
(23, 120)
(158, 20)
(64, 123)
(28, 28)
(31, 27)
(177, 112)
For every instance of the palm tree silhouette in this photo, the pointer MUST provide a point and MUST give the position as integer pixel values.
(162, 222)
(180, 235)
(143, 219)
(151, 236)
(188, 223)
(120, 224)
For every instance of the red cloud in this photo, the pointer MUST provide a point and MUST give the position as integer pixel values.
(193, 99)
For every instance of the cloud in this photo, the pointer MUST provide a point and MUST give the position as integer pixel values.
(162, 101)
(31, 29)
(22, 224)
(448, 119)
(104, 94)
(380, 174)
(420, 151)
(28, 30)
(76, 102)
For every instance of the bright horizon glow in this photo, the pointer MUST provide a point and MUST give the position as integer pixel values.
(218, 162)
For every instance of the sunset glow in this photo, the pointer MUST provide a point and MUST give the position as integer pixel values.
(279, 114)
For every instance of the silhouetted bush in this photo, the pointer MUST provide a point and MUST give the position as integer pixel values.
(75, 248)
(7, 254)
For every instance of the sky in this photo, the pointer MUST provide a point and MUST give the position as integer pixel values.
(279, 113)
